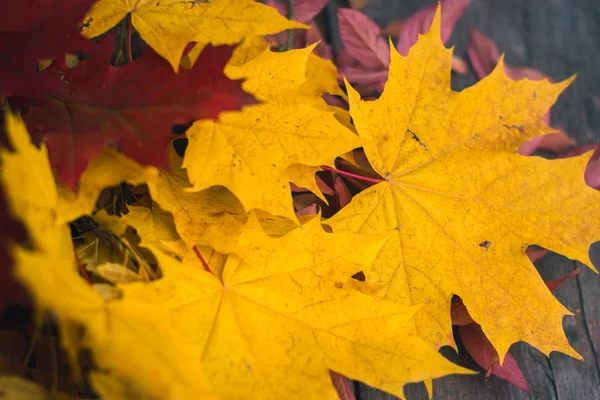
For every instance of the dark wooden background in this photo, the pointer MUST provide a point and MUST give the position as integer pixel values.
(560, 38)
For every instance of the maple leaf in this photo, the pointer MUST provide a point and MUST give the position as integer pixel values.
(250, 151)
(168, 26)
(361, 38)
(48, 269)
(463, 206)
(484, 56)
(126, 108)
(275, 324)
(284, 77)
(265, 72)
(29, 32)
(296, 76)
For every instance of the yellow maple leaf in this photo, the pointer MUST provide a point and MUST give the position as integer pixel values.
(279, 318)
(168, 26)
(463, 204)
(250, 152)
(285, 79)
(49, 270)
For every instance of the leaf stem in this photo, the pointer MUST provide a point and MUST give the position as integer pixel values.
(82, 270)
(129, 28)
(202, 260)
(359, 177)
(290, 32)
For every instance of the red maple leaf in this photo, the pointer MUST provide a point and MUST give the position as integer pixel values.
(132, 108)
(31, 30)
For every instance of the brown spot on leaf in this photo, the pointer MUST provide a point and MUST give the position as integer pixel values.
(485, 244)
(414, 136)
(359, 276)
(520, 128)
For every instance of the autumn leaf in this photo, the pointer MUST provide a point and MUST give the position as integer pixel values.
(48, 269)
(250, 151)
(297, 75)
(463, 206)
(361, 38)
(126, 107)
(274, 325)
(285, 77)
(30, 32)
(275, 77)
(168, 26)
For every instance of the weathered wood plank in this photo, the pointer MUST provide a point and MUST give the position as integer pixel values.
(572, 377)
(564, 39)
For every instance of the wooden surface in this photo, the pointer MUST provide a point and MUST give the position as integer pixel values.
(560, 38)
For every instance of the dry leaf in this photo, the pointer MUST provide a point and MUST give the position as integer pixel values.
(463, 206)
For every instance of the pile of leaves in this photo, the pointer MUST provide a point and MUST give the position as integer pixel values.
(197, 207)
